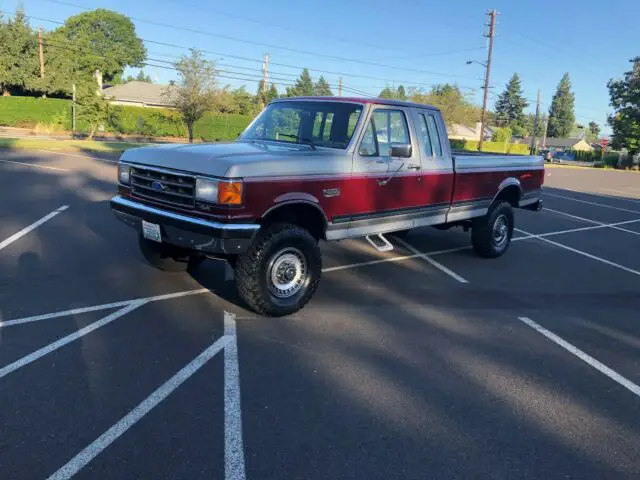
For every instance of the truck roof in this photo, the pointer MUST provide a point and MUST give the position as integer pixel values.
(376, 101)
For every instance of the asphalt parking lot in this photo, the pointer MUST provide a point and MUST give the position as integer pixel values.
(403, 366)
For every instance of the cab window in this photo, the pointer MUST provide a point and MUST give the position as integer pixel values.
(385, 127)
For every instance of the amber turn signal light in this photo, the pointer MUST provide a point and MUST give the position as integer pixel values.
(230, 193)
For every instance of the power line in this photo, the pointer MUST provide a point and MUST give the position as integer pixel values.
(286, 65)
(273, 46)
(322, 36)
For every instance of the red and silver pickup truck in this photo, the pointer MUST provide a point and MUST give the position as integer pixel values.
(311, 169)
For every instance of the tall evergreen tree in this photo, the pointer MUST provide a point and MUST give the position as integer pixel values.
(401, 94)
(260, 94)
(509, 109)
(561, 112)
(387, 93)
(18, 55)
(272, 93)
(303, 85)
(625, 99)
(321, 88)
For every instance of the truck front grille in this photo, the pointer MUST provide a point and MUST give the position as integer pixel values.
(163, 186)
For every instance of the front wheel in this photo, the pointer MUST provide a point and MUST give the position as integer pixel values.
(280, 273)
(491, 234)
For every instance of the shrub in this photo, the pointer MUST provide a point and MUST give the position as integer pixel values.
(491, 147)
(502, 135)
(55, 114)
(27, 112)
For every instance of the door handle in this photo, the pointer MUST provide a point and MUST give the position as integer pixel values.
(413, 167)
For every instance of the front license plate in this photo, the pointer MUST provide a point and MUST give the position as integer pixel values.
(151, 231)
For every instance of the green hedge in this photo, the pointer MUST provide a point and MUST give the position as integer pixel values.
(490, 147)
(28, 111)
(152, 122)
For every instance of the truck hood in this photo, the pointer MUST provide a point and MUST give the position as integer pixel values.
(235, 159)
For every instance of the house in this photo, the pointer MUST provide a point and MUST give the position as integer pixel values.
(578, 144)
(139, 94)
(464, 132)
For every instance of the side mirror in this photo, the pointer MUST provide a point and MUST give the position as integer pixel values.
(403, 150)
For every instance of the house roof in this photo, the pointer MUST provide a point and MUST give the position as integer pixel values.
(555, 142)
(140, 92)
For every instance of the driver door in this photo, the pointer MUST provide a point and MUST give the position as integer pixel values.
(390, 187)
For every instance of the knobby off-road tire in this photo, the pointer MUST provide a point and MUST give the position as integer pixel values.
(491, 234)
(280, 273)
(168, 258)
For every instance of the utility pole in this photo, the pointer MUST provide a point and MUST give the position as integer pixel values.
(265, 74)
(73, 113)
(41, 52)
(492, 29)
(340, 87)
(535, 125)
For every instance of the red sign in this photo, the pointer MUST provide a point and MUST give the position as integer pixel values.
(604, 142)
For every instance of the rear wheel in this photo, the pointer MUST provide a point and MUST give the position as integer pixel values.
(280, 273)
(491, 234)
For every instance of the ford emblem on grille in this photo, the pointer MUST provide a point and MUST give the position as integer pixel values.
(158, 187)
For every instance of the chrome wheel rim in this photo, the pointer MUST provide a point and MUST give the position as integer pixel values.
(500, 230)
(287, 272)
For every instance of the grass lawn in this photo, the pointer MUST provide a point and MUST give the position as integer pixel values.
(67, 145)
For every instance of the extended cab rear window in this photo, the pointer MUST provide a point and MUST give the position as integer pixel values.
(319, 123)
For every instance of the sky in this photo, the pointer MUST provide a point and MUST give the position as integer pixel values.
(376, 43)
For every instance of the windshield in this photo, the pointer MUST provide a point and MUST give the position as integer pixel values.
(321, 124)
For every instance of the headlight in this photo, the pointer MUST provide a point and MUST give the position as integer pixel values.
(124, 173)
(207, 190)
(218, 191)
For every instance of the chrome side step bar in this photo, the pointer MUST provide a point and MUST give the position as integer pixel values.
(379, 242)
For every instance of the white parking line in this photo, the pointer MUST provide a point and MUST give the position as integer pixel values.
(31, 227)
(104, 306)
(610, 225)
(134, 416)
(35, 165)
(425, 257)
(591, 203)
(233, 444)
(602, 368)
(580, 252)
(32, 357)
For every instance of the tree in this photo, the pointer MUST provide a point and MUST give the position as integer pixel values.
(100, 40)
(625, 99)
(92, 107)
(561, 112)
(195, 92)
(455, 107)
(398, 94)
(19, 68)
(321, 88)
(243, 101)
(594, 131)
(303, 85)
(502, 135)
(387, 93)
(272, 93)
(509, 109)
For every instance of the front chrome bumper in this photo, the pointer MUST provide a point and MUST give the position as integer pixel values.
(184, 231)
